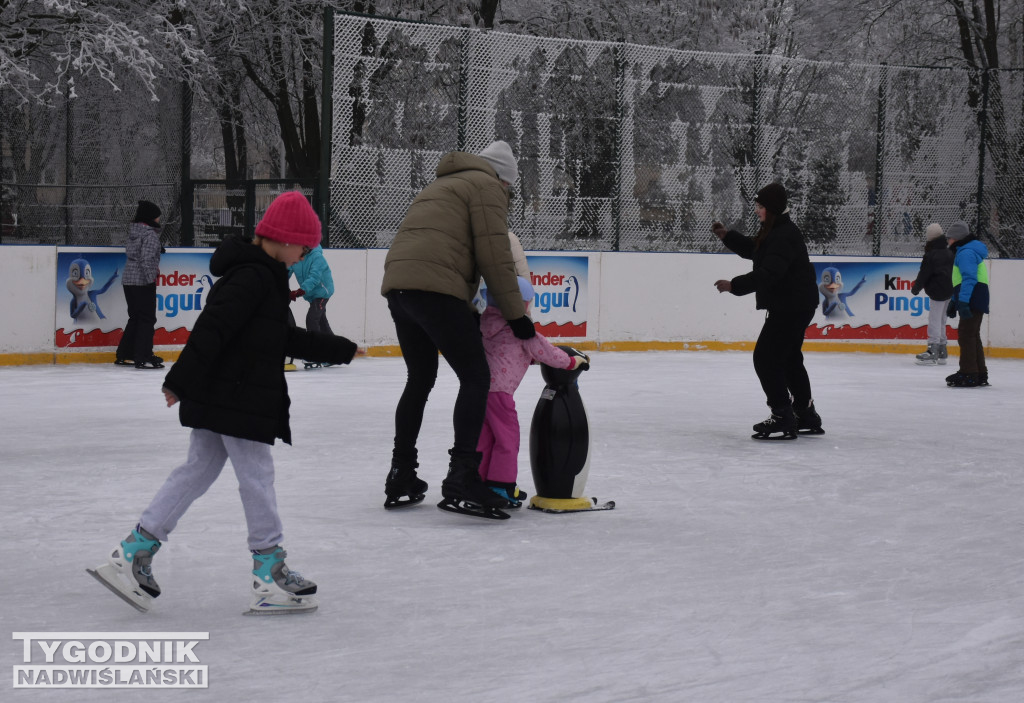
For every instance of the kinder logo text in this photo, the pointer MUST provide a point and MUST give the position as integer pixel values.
(110, 660)
(565, 295)
(184, 300)
(893, 301)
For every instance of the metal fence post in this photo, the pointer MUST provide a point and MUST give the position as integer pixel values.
(876, 232)
(326, 126)
(187, 237)
(760, 70)
(249, 221)
(620, 118)
(463, 100)
(979, 226)
(69, 171)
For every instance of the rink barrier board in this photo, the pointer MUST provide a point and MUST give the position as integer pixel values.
(627, 302)
(104, 357)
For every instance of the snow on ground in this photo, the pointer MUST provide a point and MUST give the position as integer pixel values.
(883, 561)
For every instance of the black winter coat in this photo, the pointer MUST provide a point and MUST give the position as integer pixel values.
(230, 375)
(782, 279)
(936, 273)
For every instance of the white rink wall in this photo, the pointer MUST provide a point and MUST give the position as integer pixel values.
(635, 301)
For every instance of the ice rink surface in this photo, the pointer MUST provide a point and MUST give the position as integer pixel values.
(880, 562)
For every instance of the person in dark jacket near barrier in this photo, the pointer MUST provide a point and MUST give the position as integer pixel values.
(455, 230)
(142, 253)
(970, 301)
(935, 278)
(783, 284)
(230, 385)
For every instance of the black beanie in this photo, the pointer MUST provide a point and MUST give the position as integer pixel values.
(147, 212)
(773, 197)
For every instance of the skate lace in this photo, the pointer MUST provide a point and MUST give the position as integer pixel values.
(292, 578)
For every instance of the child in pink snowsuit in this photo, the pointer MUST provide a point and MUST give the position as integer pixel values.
(509, 358)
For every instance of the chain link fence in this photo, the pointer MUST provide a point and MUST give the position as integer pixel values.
(74, 170)
(634, 148)
(621, 147)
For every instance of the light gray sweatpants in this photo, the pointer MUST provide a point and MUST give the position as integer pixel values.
(937, 321)
(207, 452)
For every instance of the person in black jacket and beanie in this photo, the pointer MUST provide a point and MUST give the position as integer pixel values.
(783, 284)
(935, 278)
(142, 253)
(230, 385)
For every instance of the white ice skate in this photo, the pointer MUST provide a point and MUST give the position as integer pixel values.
(276, 590)
(127, 572)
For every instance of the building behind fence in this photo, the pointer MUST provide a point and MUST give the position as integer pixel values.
(621, 147)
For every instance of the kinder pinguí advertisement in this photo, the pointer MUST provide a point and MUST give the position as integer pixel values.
(559, 306)
(91, 308)
(869, 300)
(559, 295)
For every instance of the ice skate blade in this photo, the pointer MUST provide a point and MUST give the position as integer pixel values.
(569, 505)
(295, 605)
(772, 437)
(107, 575)
(456, 505)
(811, 431)
(404, 501)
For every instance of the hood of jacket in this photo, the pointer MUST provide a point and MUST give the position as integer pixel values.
(234, 251)
(455, 161)
(972, 244)
(492, 323)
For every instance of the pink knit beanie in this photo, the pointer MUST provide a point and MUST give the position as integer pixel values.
(290, 219)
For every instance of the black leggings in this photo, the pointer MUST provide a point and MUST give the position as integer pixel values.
(137, 341)
(779, 359)
(427, 323)
(316, 316)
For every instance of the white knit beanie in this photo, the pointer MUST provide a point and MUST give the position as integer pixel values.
(934, 231)
(499, 155)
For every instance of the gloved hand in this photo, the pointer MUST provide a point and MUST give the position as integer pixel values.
(719, 229)
(294, 295)
(522, 327)
(964, 309)
(951, 308)
(577, 359)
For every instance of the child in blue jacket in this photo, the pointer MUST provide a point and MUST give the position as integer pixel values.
(316, 286)
(970, 300)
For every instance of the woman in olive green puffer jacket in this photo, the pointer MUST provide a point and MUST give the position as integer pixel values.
(455, 231)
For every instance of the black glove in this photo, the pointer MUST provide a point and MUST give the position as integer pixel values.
(522, 327)
(951, 308)
(964, 309)
(719, 229)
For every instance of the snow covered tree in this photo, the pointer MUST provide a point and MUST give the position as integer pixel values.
(46, 44)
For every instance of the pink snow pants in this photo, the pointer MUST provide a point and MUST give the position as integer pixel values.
(499, 439)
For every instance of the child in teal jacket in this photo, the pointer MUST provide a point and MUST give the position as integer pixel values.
(316, 286)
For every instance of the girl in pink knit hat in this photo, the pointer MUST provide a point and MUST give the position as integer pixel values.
(230, 389)
(509, 357)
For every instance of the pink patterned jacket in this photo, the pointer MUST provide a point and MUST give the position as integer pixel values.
(509, 357)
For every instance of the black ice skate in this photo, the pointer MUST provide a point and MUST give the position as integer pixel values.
(965, 380)
(808, 421)
(464, 492)
(153, 362)
(510, 492)
(403, 487)
(782, 421)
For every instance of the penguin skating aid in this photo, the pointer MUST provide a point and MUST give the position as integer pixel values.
(560, 444)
